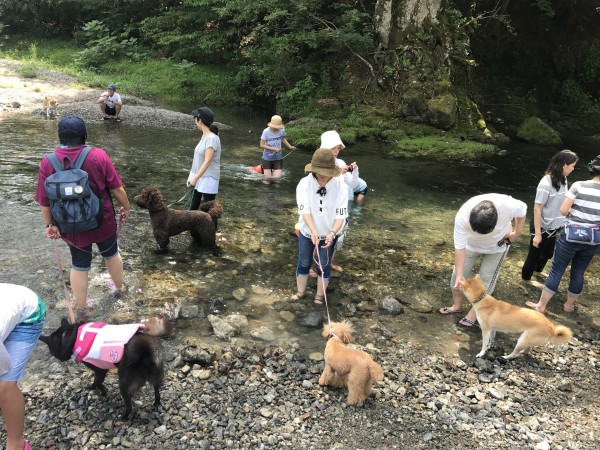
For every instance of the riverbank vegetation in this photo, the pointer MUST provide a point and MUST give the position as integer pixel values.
(449, 80)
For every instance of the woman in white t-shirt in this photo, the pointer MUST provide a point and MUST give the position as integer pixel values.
(206, 166)
(323, 207)
(547, 218)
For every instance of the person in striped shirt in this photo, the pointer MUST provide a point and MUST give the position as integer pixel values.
(582, 207)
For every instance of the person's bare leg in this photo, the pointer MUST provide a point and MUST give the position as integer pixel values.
(114, 266)
(569, 306)
(118, 109)
(542, 302)
(12, 405)
(321, 287)
(301, 281)
(457, 299)
(79, 285)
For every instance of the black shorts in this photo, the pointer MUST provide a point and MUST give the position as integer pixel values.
(110, 111)
(272, 165)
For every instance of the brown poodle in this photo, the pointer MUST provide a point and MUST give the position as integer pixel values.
(347, 366)
(167, 222)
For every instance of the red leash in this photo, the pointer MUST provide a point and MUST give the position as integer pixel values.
(62, 277)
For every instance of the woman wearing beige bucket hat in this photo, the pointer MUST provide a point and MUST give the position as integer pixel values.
(323, 207)
(271, 141)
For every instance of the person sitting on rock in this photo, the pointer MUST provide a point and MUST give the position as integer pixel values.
(110, 103)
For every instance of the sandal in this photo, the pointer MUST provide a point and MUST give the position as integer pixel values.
(26, 445)
(468, 325)
(445, 311)
(319, 299)
(572, 309)
(298, 296)
(534, 306)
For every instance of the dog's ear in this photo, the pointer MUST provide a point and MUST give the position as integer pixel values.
(45, 339)
(346, 337)
(64, 322)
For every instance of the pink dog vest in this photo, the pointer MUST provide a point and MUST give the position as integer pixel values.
(102, 345)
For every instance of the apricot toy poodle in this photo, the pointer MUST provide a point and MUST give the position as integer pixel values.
(346, 366)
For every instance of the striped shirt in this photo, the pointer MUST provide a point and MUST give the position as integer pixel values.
(586, 202)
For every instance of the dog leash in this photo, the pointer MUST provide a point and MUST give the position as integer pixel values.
(318, 261)
(62, 278)
(493, 280)
(183, 197)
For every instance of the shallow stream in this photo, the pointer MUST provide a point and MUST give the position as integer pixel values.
(399, 243)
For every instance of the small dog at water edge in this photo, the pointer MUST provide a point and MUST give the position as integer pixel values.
(346, 366)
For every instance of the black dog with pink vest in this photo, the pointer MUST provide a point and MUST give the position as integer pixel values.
(133, 349)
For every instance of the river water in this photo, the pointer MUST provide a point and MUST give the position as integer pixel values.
(399, 243)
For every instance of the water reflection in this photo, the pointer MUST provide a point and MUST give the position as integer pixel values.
(399, 244)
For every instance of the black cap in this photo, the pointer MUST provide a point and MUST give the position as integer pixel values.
(204, 114)
(71, 126)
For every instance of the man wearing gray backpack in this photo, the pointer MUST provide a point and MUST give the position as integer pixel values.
(74, 189)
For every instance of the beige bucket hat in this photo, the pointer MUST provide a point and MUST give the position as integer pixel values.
(276, 122)
(323, 163)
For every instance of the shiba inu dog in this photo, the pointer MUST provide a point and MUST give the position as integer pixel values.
(137, 353)
(51, 106)
(495, 315)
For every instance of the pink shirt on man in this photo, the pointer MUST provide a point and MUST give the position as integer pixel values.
(102, 175)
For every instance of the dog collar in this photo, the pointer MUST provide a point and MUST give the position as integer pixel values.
(481, 297)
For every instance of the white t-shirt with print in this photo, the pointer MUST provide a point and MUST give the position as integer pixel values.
(324, 210)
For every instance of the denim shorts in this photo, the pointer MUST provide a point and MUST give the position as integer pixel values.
(81, 258)
(20, 344)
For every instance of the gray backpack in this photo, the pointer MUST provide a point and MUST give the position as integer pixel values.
(75, 207)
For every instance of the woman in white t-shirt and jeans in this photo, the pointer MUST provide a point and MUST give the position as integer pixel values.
(322, 199)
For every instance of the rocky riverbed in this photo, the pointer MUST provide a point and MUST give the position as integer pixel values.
(228, 393)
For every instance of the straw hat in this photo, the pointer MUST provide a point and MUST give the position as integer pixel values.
(331, 139)
(276, 122)
(323, 163)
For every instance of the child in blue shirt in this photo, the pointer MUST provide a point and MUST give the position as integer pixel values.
(270, 141)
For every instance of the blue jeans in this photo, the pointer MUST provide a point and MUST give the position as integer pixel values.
(305, 257)
(579, 255)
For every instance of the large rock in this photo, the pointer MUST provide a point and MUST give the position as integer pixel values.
(441, 111)
(414, 106)
(536, 131)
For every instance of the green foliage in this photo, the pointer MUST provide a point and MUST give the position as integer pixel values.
(546, 7)
(295, 101)
(28, 70)
(102, 47)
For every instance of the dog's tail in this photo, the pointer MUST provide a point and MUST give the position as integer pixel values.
(157, 326)
(562, 334)
(376, 371)
(213, 208)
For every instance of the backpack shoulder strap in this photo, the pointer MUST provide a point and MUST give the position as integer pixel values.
(56, 163)
(81, 158)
